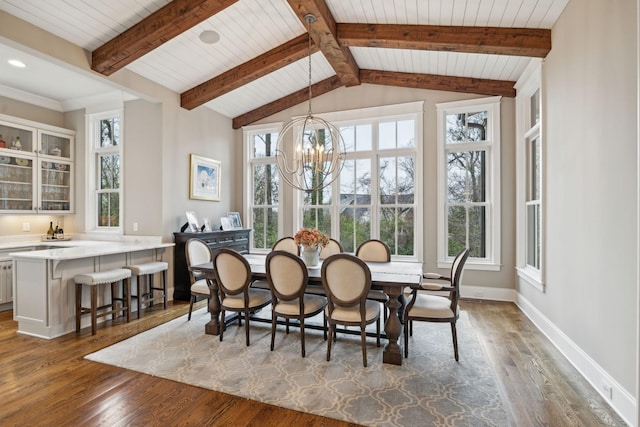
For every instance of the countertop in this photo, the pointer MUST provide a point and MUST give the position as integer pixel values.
(76, 249)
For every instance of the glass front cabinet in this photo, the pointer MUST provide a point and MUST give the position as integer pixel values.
(36, 168)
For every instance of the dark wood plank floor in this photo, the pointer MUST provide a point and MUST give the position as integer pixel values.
(47, 382)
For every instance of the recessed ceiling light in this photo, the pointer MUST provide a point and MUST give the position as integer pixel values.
(209, 37)
(17, 63)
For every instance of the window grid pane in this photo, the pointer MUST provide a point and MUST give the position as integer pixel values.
(534, 169)
(533, 235)
(264, 188)
(109, 132)
(466, 176)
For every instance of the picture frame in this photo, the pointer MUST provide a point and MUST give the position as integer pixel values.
(225, 223)
(236, 221)
(207, 224)
(204, 181)
(192, 220)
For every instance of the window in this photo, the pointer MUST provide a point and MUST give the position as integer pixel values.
(376, 194)
(104, 211)
(263, 186)
(469, 182)
(529, 189)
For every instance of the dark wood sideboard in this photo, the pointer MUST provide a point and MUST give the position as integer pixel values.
(234, 239)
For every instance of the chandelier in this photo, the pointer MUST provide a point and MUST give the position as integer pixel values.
(309, 151)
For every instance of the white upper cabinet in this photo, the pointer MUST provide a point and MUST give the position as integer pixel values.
(36, 167)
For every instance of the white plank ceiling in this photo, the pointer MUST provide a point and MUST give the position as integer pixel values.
(249, 28)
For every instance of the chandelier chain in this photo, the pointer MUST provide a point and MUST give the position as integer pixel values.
(310, 20)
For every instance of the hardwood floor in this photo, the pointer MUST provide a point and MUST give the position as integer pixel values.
(47, 382)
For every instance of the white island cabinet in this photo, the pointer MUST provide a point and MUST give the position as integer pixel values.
(43, 286)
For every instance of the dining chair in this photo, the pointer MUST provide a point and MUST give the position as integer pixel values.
(332, 248)
(287, 244)
(374, 250)
(233, 276)
(197, 252)
(427, 307)
(287, 276)
(347, 280)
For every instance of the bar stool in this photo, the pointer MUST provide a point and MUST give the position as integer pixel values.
(93, 280)
(148, 270)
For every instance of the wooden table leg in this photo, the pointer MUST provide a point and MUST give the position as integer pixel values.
(392, 352)
(213, 326)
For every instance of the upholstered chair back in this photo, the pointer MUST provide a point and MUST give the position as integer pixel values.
(287, 244)
(233, 272)
(346, 278)
(374, 250)
(287, 274)
(332, 248)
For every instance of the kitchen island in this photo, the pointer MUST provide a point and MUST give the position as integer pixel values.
(43, 286)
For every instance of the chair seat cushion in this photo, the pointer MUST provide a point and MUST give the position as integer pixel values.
(200, 287)
(352, 314)
(148, 268)
(312, 304)
(257, 298)
(431, 306)
(99, 277)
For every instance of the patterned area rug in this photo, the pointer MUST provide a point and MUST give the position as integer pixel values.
(430, 388)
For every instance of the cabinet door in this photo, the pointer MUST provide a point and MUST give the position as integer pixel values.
(6, 282)
(56, 190)
(17, 189)
(56, 145)
(17, 137)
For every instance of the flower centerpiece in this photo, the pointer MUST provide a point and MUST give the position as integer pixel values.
(311, 240)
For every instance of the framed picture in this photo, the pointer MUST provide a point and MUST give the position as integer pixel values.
(207, 224)
(204, 183)
(236, 222)
(225, 222)
(192, 219)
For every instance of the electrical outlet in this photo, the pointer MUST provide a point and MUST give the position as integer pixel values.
(26, 226)
(607, 390)
(135, 226)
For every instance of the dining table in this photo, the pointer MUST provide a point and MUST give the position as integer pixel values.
(390, 277)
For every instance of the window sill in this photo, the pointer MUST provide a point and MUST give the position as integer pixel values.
(473, 265)
(531, 277)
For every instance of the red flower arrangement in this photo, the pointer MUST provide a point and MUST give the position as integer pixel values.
(311, 237)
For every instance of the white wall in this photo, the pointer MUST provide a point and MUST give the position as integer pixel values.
(590, 134)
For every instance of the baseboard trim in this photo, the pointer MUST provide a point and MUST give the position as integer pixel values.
(483, 292)
(620, 400)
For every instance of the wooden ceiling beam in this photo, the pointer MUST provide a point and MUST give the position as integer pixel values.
(436, 82)
(156, 29)
(323, 32)
(488, 40)
(288, 101)
(243, 74)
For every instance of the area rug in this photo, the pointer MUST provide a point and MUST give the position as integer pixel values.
(429, 389)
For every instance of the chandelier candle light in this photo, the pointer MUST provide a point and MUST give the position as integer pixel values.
(317, 146)
(311, 240)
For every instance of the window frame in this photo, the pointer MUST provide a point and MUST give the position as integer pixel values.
(247, 184)
(491, 146)
(94, 153)
(526, 131)
(375, 116)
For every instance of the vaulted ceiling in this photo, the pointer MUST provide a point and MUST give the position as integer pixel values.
(260, 64)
